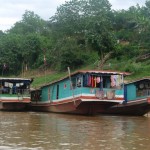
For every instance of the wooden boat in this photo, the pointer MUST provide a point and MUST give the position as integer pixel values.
(83, 92)
(14, 93)
(136, 99)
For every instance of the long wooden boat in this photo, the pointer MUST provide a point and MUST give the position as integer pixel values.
(14, 93)
(136, 99)
(85, 92)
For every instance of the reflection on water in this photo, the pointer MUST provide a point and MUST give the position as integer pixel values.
(48, 131)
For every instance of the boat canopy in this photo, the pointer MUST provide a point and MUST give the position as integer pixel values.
(15, 85)
(15, 80)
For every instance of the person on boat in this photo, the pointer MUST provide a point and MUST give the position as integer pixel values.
(1, 89)
(4, 90)
(14, 88)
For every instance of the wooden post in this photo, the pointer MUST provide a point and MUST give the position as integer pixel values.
(71, 85)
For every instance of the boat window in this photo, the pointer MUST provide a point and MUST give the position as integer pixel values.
(105, 81)
(14, 88)
(79, 79)
(73, 83)
(36, 95)
(143, 88)
(90, 80)
(96, 81)
(5, 89)
(57, 92)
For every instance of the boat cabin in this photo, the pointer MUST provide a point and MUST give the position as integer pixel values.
(102, 85)
(137, 89)
(14, 86)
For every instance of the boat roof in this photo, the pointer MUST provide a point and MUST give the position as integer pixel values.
(102, 72)
(17, 80)
(110, 72)
(138, 80)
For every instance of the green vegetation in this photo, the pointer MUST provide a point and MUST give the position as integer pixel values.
(83, 34)
(45, 79)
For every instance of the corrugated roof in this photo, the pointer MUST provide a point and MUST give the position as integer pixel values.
(90, 71)
(137, 80)
(103, 72)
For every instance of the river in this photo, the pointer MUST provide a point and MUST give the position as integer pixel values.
(49, 131)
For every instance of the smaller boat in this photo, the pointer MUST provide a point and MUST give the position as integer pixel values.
(136, 99)
(14, 93)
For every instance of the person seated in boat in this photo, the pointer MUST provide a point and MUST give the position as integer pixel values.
(4, 90)
(1, 89)
(14, 88)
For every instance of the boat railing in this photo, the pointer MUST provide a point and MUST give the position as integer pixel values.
(23, 92)
(106, 93)
(20, 93)
(143, 92)
(11, 91)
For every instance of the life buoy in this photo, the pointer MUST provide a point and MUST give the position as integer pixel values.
(141, 85)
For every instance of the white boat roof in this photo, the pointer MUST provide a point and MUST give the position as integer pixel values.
(15, 79)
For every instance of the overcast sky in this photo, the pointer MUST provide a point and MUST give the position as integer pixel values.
(11, 11)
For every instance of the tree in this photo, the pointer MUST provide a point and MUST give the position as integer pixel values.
(9, 49)
(88, 22)
(68, 19)
(30, 23)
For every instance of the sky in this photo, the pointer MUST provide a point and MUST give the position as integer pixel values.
(11, 11)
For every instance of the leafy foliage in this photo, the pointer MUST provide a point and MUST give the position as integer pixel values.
(80, 33)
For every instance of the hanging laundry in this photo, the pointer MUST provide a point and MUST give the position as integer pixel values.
(87, 77)
(98, 79)
(92, 81)
(89, 80)
(95, 81)
(119, 79)
(116, 80)
(113, 82)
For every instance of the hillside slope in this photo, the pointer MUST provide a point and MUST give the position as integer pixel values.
(137, 70)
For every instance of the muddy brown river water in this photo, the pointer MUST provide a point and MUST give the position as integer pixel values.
(48, 131)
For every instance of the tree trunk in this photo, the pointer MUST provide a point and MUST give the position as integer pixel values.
(104, 59)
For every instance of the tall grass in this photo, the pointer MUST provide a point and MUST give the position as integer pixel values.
(137, 69)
